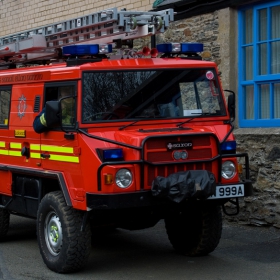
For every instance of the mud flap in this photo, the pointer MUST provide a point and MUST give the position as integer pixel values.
(180, 186)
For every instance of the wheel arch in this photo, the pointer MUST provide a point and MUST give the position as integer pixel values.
(30, 186)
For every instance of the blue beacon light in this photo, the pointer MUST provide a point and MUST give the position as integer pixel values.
(93, 49)
(228, 146)
(113, 154)
(180, 47)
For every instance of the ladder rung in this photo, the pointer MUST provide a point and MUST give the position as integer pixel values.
(100, 27)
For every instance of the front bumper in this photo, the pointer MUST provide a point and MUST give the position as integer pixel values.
(143, 199)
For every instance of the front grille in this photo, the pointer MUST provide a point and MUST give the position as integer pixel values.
(163, 163)
(155, 156)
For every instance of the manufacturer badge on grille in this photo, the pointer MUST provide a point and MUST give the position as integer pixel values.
(180, 145)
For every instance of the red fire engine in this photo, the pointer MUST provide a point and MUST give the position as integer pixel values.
(140, 136)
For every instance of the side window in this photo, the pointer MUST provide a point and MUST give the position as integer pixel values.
(66, 95)
(5, 97)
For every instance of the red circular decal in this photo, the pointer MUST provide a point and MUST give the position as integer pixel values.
(210, 75)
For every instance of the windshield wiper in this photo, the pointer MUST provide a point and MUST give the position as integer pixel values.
(188, 120)
(178, 125)
(123, 127)
(142, 118)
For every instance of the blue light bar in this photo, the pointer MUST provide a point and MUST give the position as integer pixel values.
(77, 50)
(164, 48)
(191, 47)
(113, 154)
(228, 146)
(180, 47)
(81, 50)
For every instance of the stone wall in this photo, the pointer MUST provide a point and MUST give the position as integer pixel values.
(20, 15)
(217, 31)
(263, 147)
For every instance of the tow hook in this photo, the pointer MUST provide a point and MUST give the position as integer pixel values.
(236, 203)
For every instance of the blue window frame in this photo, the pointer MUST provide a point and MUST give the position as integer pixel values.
(259, 65)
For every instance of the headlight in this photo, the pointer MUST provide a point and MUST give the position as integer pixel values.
(228, 170)
(123, 178)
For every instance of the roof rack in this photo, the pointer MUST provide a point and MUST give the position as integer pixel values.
(103, 27)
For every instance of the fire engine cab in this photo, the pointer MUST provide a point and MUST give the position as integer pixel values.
(140, 136)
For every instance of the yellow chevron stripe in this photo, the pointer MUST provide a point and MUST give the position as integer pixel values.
(49, 148)
(38, 147)
(4, 152)
(64, 158)
(14, 145)
(15, 153)
(35, 155)
(35, 147)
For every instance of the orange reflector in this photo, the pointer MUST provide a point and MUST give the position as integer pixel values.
(240, 168)
(108, 179)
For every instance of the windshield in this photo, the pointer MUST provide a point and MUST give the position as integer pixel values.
(161, 93)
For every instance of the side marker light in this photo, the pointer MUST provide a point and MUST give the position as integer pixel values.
(108, 179)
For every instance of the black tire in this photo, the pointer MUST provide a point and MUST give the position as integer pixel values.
(196, 231)
(63, 246)
(4, 223)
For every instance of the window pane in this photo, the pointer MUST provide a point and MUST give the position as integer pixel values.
(276, 101)
(249, 63)
(264, 101)
(249, 26)
(263, 24)
(275, 57)
(260, 63)
(249, 102)
(68, 103)
(4, 106)
(263, 59)
(275, 22)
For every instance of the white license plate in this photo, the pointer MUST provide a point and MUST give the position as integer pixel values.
(228, 191)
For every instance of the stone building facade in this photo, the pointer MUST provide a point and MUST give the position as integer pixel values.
(20, 15)
(218, 32)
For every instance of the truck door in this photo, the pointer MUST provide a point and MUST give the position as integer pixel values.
(19, 144)
(5, 99)
(59, 147)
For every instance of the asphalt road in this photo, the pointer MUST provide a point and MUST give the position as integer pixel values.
(243, 253)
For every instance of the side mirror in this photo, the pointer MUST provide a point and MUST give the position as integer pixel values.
(231, 105)
(52, 113)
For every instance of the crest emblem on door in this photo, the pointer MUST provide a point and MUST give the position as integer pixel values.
(21, 106)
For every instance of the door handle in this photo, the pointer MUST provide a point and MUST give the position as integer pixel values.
(45, 155)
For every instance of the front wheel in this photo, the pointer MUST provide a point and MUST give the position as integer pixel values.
(195, 231)
(63, 246)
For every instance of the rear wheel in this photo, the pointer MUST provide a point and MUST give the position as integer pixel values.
(4, 223)
(63, 246)
(195, 231)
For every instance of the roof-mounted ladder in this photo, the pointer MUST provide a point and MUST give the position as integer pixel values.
(101, 27)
